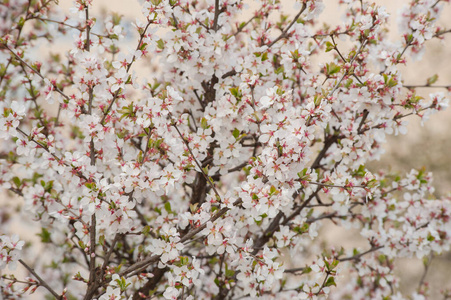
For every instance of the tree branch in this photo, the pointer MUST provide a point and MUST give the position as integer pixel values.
(41, 281)
(284, 33)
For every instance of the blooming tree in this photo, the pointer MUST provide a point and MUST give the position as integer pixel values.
(212, 178)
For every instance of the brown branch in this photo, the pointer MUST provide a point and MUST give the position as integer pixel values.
(108, 255)
(150, 284)
(346, 73)
(59, 160)
(362, 122)
(264, 238)
(116, 94)
(294, 270)
(358, 256)
(327, 144)
(275, 224)
(202, 104)
(65, 24)
(216, 216)
(241, 27)
(441, 32)
(34, 70)
(196, 161)
(337, 186)
(141, 265)
(284, 33)
(41, 281)
(217, 13)
(228, 74)
(426, 264)
(336, 49)
(93, 280)
(234, 169)
(410, 86)
(324, 216)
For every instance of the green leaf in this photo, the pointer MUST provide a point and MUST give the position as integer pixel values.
(334, 264)
(217, 282)
(45, 236)
(303, 172)
(184, 260)
(279, 70)
(160, 44)
(433, 79)
(389, 81)
(235, 91)
(203, 123)
(332, 69)
(127, 111)
(122, 283)
(193, 207)
(2, 70)
(229, 272)
(330, 281)
(295, 54)
(113, 205)
(303, 229)
(329, 46)
(146, 230)
(102, 240)
(21, 22)
(258, 222)
(272, 190)
(17, 181)
(167, 207)
(236, 133)
(392, 82)
(360, 172)
(348, 83)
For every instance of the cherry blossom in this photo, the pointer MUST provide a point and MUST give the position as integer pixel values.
(215, 175)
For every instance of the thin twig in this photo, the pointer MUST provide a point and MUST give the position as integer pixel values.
(284, 33)
(358, 256)
(41, 281)
(35, 71)
(294, 270)
(92, 283)
(410, 86)
(241, 26)
(197, 162)
(426, 269)
(141, 265)
(337, 186)
(217, 13)
(108, 255)
(346, 73)
(116, 94)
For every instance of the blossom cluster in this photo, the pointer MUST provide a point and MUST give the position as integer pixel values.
(214, 176)
(10, 248)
